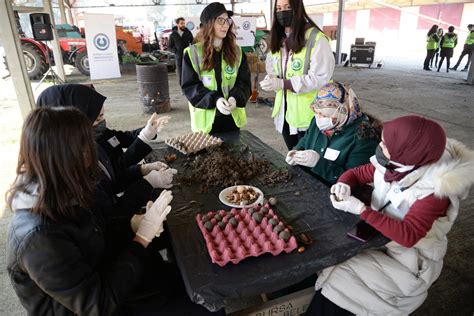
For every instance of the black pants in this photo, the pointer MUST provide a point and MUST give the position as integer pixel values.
(467, 50)
(448, 60)
(290, 140)
(179, 63)
(321, 306)
(429, 55)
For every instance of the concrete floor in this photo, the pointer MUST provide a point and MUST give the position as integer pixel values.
(386, 93)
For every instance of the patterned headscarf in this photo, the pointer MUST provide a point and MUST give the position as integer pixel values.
(339, 101)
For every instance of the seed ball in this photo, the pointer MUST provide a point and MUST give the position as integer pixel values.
(221, 225)
(208, 225)
(233, 222)
(272, 201)
(264, 210)
(218, 217)
(277, 229)
(205, 218)
(273, 222)
(251, 210)
(284, 235)
(257, 217)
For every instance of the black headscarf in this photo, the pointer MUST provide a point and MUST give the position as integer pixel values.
(82, 97)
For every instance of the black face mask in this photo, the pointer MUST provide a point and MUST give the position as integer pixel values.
(284, 18)
(99, 129)
(381, 158)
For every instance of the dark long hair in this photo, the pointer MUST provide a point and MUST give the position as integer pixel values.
(297, 40)
(433, 29)
(229, 45)
(57, 152)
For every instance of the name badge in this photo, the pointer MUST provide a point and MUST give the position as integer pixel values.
(331, 154)
(113, 141)
(207, 80)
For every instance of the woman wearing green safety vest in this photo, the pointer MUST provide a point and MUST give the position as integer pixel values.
(215, 77)
(467, 50)
(432, 41)
(448, 42)
(301, 62)
(438, 49)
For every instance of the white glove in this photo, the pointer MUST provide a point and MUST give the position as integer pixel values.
(232, 104)
(271, 84)
(290, 158)
(146, 168)
(162, 179)
(348, 204)
(307, 158)
(152, 223)
(153, 126)
(341, 190)
(223, 106)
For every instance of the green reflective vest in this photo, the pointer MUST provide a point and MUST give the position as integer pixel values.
(202, 119)
(431, 43)
(298, 112)
(449, 42)
(470, 38)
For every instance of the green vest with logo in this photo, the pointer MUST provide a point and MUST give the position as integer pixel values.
(203, 119)
(431, 43)
(449, 42)
(470, 38)
(298, 112)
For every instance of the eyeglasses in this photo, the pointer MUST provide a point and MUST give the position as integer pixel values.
(221, 21)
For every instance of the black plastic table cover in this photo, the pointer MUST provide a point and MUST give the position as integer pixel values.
(303, 203)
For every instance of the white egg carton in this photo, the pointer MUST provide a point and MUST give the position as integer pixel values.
(193, 142)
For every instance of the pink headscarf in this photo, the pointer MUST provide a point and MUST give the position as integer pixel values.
(412, 141)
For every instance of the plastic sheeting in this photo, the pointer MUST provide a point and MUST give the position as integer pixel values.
(309, 211)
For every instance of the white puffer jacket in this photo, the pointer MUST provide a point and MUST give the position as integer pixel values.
(395, 281)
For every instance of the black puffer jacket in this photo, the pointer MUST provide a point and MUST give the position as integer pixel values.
(62, 268)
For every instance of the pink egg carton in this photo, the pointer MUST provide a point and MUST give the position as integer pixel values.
(234, 240)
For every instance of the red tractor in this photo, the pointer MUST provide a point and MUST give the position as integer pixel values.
(73, 51)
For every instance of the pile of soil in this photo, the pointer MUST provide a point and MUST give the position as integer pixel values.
(219, 167)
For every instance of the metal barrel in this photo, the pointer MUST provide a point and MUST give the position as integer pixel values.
(153, 88)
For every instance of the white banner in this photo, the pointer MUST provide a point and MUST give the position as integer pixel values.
(101, 46)
(245, 28)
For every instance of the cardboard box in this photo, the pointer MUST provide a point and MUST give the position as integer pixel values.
(289, 305)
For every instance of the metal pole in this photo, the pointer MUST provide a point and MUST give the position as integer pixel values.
(340, 21)
(62, 11)
(58, 58)
(16, 63)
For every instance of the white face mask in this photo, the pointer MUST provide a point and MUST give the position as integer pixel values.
(324, 123)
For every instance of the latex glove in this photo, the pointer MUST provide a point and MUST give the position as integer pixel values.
(232, 104)
(290, 159)
(307, 158)
(152, 127)
(146, 168)
(222, 105)
(162, 179)
(349, 204)
(271, 84)
(341, 190)
(152, 223)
